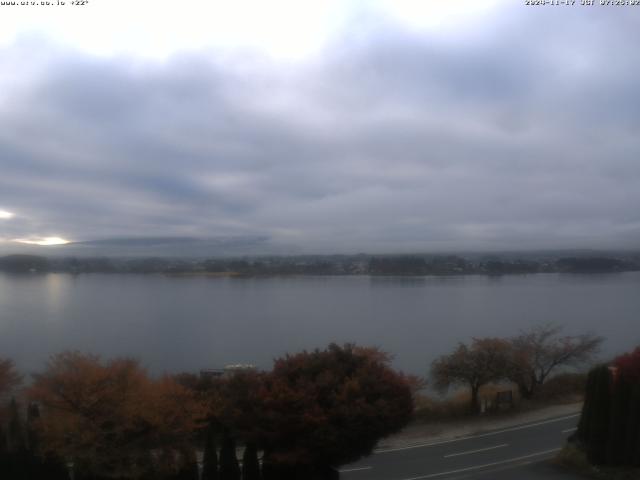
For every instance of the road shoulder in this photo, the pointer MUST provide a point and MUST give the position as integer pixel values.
(443, 431)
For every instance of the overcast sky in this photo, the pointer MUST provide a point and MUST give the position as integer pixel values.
(335, 126)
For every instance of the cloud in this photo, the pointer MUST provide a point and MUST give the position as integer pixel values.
(519, 134)
(46, 241)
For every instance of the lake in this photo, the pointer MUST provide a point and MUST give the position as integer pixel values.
(188, 323)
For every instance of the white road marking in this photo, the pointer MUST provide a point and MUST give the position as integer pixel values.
(476, 451)
(486, 465)
(355, 469)
(470, 437)
(570, 430)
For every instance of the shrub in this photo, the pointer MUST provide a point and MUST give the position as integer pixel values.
(563, 387)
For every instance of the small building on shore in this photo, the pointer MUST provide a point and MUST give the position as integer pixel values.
(226, 371)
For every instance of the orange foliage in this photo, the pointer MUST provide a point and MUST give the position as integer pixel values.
(235, 403)
(108, 415)
(9, 377)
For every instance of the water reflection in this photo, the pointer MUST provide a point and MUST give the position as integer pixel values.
(188, 323)
(56, 290)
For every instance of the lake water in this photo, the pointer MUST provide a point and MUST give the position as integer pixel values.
(188, 323)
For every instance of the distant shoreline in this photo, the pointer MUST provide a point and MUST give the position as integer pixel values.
(329, 265)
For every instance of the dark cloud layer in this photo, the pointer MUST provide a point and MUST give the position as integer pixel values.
(521, 135)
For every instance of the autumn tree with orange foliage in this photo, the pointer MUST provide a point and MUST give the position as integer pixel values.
(107, 416)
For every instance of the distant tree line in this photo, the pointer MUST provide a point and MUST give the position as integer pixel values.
(526, 360)
(377, 265)
(313, 412)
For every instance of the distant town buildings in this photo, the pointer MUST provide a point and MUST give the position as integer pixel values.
(226, 371)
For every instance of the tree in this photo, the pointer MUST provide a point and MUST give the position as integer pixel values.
(9, 377)
(235, 405)
(536, 353)
(4, 451)
(627, 386)
(250, 463)
(33, 415)
(165, 465)
(594, 422)
(485, 360)
(210, 457)
(105, 415)
(23, 263)
(229, 468)
(18, 461)
(329, 407)
(629, 365)
(609, 428)
(188, 465)
(17, 438)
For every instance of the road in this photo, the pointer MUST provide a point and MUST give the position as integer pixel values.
(520, 453)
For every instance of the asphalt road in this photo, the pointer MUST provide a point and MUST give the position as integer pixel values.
(519, 453)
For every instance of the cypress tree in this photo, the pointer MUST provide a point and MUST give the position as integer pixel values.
(635, 449)
(34, 459)
(33, 414)
(632, 437)
(269, 471)
(600, 417)
(229, 468)
(147, 464)
(4, 453)
(210, 457)
(19, 464)
(17, 440)
(167, 463)
(188, 465)
(250, 463)
(609, 428)
(583, 432)
(620, 395)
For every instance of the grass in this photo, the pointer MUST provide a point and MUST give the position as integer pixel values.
(560, 390)
(573, 459)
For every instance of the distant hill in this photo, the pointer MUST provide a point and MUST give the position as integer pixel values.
(593, 265)
(262, 265)
(24, 263)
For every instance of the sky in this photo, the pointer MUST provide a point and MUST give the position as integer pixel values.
(328, 126)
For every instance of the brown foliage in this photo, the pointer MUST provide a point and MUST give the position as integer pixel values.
(108, 415)
(329, 407)
(315, 409)
(9, 377)
(318, 408)
(564, 387)
(235, 404)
